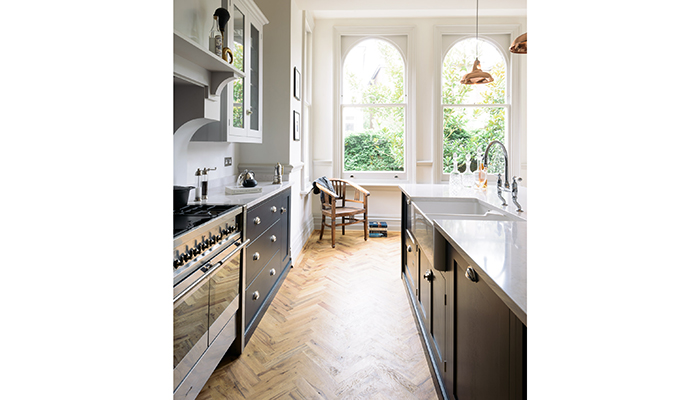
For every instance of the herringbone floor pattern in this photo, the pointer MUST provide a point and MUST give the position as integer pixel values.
(340, 327)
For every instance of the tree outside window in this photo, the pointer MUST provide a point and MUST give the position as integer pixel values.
(373, 108)
(473, 115)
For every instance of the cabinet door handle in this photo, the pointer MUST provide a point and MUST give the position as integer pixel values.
(283, 210)
(471, 274)
(257, 221)
(256, 295)
(428, 275)
(273, 238)
(256, 256)
(409, 249)
(273, 209)
(273, 272)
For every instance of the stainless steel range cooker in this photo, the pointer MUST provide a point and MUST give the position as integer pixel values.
(208, 254)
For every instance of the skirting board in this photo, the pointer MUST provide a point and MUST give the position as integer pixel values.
(300, 240)
(393, 222)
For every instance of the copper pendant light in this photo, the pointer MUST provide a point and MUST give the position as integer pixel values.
(519, 45)
(477, 76)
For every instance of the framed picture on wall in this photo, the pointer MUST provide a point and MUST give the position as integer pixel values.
(297, 84)
(297, 125)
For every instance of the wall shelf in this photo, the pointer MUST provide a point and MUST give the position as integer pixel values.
(200, 66)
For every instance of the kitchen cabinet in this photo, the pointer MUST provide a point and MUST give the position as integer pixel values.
(268, 256)
(474, 343)
(241, 98)
(489, 346)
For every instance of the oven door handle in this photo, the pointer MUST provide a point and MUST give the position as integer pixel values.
(208, 269)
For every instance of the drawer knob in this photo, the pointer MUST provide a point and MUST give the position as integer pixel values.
(256, 256)
(471, 274)
(273, 238)
(283, 210)
(428, 275)
(273, 209)
(257, 221)
(409, 249)
(273, 272)
(256, 295)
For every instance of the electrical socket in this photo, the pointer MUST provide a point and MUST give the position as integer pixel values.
(227, 161)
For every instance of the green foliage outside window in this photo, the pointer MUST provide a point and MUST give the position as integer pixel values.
(468, 130)
(376, 142)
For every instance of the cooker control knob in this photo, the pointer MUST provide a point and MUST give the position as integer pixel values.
(176, 263)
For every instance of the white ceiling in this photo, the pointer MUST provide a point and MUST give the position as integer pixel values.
(411, 8)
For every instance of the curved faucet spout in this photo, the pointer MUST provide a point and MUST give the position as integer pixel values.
(505, 156)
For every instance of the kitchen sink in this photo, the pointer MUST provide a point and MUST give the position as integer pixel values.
(467, 209)
(423, 212)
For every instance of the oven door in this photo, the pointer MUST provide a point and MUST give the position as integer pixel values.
(190, 325)
(204, 302)
(225, 287)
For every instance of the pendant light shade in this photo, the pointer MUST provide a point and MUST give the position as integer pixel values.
(477, 76)
(519, 45)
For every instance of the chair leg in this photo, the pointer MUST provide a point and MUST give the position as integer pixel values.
(323, 224)
(333, 232)
(343, 226)
(366, 226)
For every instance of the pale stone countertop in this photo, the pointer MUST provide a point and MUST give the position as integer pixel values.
(217, 195)
(498, 249)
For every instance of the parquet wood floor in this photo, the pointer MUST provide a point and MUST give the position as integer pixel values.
(340, 327)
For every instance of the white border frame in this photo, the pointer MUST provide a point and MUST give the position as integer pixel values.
(513, 107)
(385, 33)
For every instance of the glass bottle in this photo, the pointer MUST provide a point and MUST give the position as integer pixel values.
(215, 38)
(481, 174)
(468, 175)
(455, 178)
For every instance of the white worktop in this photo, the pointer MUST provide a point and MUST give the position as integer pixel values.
(217, 195)
(497, 248)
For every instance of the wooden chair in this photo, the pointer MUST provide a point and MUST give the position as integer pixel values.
(338, 206)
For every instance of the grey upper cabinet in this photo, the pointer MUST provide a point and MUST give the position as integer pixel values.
(241, 99)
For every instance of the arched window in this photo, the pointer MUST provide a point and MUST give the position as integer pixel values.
(474, 115)
(373, 110)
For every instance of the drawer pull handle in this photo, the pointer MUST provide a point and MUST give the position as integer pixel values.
(471, 274)
(273, 272)
(256, 295)
(410, 249)
(257, 221)
(256, 256)
(273, 209)
(273, 238)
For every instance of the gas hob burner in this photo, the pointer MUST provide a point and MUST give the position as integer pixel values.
(192, 216)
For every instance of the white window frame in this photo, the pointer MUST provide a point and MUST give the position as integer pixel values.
(512, 103)
(307, 109)
(389, 34)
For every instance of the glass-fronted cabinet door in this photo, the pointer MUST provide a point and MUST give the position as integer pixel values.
(243, 104)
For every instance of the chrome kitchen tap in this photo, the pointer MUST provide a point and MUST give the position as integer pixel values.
(515, 193)
(499, 189)
(505, 156)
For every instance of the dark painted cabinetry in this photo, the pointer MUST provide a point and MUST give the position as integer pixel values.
(474, 343)
(268, 257)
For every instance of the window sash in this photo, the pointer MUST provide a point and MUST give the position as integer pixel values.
(386, 174)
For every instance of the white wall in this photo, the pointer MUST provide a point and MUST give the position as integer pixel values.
(385, 200)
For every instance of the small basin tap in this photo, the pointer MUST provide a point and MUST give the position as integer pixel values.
(505, 156)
